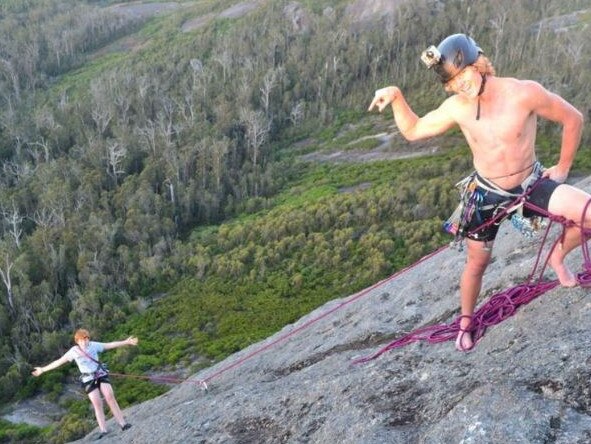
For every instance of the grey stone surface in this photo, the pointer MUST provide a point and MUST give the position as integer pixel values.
(527, 380)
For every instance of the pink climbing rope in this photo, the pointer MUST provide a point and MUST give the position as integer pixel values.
(203, 382)
(504, 304)
(499, 307)
(307, 324)
(155, 379)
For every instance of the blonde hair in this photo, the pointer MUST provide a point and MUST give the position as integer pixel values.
(81, 333)
(484, 65)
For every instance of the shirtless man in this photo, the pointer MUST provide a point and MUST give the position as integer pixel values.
(498, 117)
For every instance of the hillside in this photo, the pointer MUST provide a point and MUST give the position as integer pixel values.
(204, 173)
(525, 382)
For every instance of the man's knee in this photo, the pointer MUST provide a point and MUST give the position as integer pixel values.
(476, 268)
(477, 262)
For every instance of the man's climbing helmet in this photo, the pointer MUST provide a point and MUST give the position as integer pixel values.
(452, 55)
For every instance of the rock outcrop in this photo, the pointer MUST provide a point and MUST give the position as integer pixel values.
(527, 380)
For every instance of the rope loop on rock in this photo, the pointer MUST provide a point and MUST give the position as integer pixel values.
(504, 304)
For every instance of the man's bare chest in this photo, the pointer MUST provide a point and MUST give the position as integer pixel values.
(499, 126)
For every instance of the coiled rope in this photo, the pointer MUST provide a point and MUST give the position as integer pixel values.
(504, 304)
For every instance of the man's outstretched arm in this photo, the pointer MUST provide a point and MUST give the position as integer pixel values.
(411, 126)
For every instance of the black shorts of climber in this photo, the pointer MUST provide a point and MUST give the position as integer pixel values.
(93, 384)
(539, 196)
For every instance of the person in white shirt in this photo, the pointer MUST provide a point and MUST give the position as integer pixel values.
(94, 375)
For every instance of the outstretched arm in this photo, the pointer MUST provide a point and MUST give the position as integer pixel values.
(55, 364)
(411, 126)
(132, 340)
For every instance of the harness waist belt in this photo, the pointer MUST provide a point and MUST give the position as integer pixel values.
(529, 181)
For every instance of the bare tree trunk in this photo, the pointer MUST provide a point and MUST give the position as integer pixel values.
(5, 274)
(257, 130)
(14, 220)
(115, 155)
(12, 74)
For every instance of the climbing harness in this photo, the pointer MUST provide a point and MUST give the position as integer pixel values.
(473, 191)
(470, 200)
(101, 371)
(480, 91)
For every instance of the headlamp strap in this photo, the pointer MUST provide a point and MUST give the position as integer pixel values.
(480, 91)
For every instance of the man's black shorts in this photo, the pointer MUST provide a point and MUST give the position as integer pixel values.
(539, 196)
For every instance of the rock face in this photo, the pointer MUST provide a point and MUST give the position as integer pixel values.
(235, 11)
(370, 10)
(143, 10)
(527, 380)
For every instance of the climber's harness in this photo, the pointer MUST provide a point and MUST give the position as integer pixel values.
(473, 190)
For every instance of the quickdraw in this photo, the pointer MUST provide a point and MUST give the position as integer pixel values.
(470, 201)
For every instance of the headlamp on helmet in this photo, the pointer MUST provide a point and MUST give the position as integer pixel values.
(431, 56)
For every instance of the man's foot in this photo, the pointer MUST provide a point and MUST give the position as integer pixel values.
(464, 341)
(565, 276)
(101, 435)
(126, 426)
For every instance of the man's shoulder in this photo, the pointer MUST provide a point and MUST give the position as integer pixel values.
(518, 90)
(517, 84)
